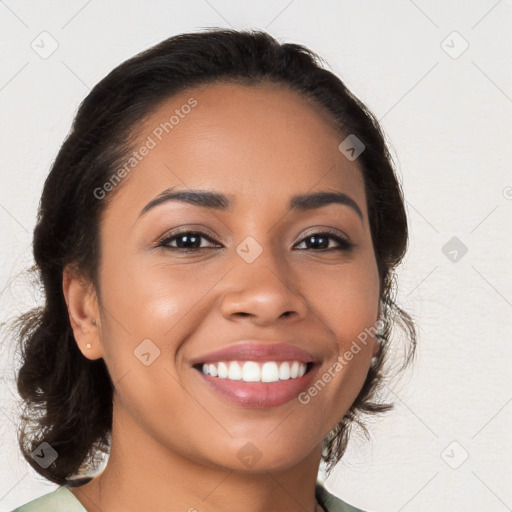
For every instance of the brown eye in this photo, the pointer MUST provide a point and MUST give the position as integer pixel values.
(186, 241)
(321, 241)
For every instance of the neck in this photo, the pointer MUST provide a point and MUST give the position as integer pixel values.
(142, 474)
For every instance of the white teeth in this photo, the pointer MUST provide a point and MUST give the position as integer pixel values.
(234, 372)
(222, 370)
(251, 371)
(284, 371)
(294, 371)
(269, 372)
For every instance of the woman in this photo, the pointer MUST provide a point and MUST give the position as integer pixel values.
(216, 240)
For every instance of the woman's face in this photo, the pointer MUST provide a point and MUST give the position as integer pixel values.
(254, 276)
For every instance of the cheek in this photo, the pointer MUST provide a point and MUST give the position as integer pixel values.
(346, 298)
(149, 300)
(148, 314)
(348, 304)
(150, 309)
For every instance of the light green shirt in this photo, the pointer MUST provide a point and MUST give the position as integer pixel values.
(63, 500)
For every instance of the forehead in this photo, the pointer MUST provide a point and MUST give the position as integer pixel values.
(261, 142)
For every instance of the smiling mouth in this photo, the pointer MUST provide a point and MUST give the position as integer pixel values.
(257, 384)
(255, 371)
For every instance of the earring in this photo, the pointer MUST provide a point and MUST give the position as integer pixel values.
(88, 345)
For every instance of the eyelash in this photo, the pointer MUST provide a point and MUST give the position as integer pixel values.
(343, 244)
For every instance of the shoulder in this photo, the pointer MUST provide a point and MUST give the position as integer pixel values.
(60, 500)
(330, 502)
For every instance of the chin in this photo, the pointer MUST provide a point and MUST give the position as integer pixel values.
(263, 455)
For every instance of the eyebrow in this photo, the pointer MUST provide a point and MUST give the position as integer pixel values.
(217, 201)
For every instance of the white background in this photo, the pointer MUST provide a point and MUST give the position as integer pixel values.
(448, 121)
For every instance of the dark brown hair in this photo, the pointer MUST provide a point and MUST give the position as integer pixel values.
(67, 397)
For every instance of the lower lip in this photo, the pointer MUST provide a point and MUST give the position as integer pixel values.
(259, 394)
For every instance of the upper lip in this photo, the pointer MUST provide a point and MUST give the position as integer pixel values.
(256, 351)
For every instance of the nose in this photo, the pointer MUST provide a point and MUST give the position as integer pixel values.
(264, 290)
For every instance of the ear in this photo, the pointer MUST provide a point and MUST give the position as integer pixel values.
(83, 311)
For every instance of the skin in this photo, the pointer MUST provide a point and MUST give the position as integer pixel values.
(174, 442)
